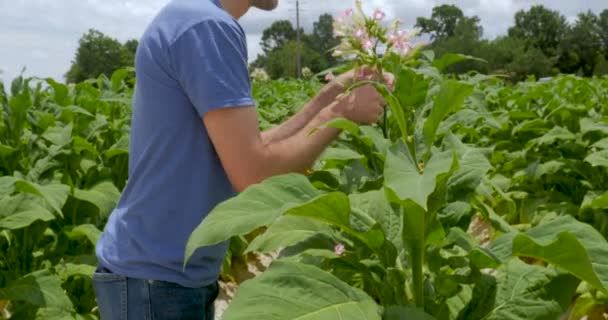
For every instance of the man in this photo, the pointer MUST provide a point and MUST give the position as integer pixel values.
(195, 142)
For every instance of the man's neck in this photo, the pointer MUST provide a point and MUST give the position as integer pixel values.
(236, 8)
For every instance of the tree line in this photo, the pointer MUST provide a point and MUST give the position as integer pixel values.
(540, 43)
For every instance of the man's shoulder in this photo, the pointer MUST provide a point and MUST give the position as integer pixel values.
(179, 16)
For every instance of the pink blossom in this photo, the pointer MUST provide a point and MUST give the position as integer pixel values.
(330, 77)
(359, 33)
(348, 13)
(379, 15)
(339, 249)
(367, 44)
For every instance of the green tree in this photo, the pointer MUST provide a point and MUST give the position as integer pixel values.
(603, 25)
(541, 28)
(582, 45)
(453, 32)
(322, 38)
(281, 63)
(99, 54)
(279, 33)
(444, 22)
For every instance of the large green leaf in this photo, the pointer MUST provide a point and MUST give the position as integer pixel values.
(473, 166)
(602, 144)
(286, 231)
(25, 218)
(54, 194)
(598, 159)
(555, 134)
(523, 293)
(341, 154)
(103, 195)
(257, 206)
(449, 59)
(59, 136)
(450, 97)
(375, 205)
(571, 245)
(291, 290)
(88, 231)
(411, 88)
(404, 181)
(589, 125)
(40, 288)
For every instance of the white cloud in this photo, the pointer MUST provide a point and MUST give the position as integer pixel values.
(42, 35)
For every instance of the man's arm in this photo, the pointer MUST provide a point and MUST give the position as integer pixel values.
(324, 98)
(248, 159)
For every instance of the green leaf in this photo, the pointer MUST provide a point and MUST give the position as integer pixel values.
(6, 151)
(483, 258)
(61, 92)
(556, 133)
(571, 245)
(257, 206)
(598, 159)
(342, 124)
(79, 144)
(25, 218)
(286, 231)
(449, 59)
(404, 181)
(88, 231)
(375, 205)
(473, 166)
(120, 147)
(54, 194)
(40, 288)
(59, 136)
(536, 126)
(595, 200)
(104, 196)
(602, 144)
(118, 77)
(334, 209)
(450, 98)
(405, 313)
(589, 125)
(341, 154)
(7, 185)
(411, 88)
(291, 290)
(522, 294)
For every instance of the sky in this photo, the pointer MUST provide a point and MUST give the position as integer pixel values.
(42, 35)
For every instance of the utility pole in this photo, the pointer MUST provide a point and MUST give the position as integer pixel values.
(299, 41)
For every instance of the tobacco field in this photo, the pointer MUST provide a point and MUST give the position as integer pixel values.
(475, 199)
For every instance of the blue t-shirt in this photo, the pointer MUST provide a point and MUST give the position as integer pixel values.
(190, 60)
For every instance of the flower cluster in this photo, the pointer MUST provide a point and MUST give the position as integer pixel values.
(365, 35)
(259, 74)
(307, 73)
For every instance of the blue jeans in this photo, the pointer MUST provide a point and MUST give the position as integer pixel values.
(123, 298)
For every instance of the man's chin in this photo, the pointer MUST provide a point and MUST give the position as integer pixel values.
(267, 5)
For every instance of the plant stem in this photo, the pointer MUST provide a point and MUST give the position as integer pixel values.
(417, 260)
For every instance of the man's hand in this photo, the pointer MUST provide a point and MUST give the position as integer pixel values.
(363, 105)
(347, 79)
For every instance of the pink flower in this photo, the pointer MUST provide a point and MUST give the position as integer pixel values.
(367, 44)
(330, 77)
(339, 249)
(379, 15)
(359, 33)
(348, 13)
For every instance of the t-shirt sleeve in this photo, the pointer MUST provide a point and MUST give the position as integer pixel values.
(210, 60)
